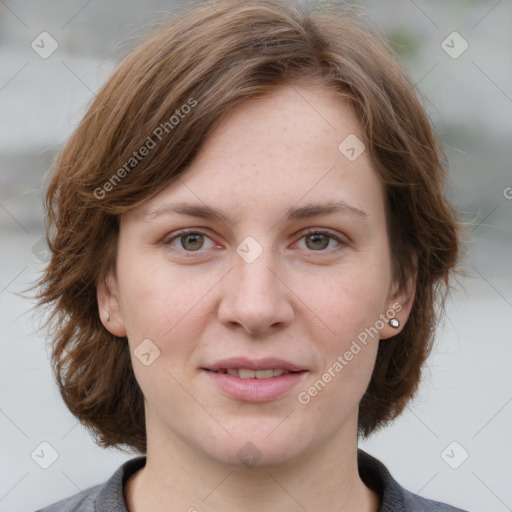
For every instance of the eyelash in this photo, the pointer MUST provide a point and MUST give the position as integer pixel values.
(307, 232)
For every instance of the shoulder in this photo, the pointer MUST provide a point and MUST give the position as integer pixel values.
(393, 497)
(81, 502)
(105, 497)
(415, 503)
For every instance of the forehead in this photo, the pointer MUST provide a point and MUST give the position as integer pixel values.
(275, 152)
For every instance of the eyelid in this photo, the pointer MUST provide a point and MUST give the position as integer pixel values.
(186, 231)
(340, 238)
(324, 231)
(171, 237)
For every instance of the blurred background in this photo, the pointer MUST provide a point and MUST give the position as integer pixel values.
(453, 441)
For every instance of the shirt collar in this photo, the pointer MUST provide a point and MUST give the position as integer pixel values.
(372, 472)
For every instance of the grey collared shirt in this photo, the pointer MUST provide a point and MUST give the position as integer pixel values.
(109, 496)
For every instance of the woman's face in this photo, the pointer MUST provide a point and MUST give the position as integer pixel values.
(251, 289)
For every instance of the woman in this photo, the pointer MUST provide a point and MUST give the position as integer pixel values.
(249, 236)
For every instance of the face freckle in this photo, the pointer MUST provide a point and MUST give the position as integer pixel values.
(290, 302)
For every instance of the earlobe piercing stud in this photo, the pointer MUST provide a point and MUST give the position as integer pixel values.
(394, 323)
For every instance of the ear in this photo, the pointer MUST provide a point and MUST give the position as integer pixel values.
(109, 306)
(400, 303)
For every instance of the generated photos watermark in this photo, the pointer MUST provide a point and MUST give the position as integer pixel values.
(304, 397)
(150, 143)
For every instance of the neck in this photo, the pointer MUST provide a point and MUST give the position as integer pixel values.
(176, 477)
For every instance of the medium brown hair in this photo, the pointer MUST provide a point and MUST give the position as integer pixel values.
(214, 56)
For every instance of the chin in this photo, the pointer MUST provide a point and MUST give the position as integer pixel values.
(256, 449)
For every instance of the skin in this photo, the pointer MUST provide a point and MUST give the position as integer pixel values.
(302, 299)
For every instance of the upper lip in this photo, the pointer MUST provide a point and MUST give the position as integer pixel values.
(254, 364)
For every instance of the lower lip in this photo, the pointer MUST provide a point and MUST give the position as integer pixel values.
(256, 390)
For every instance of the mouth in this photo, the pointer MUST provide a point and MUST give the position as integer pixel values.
(254, 381)
(247, 365)
(247, 373)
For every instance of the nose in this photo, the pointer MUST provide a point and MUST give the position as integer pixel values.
(255, 296)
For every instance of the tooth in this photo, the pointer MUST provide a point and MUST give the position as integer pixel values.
(264, 374)
(244, 373)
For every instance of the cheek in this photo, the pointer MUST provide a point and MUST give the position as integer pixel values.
(348, 350)
(352, 299)
(349, 306)
(169, 310)
(164, 304)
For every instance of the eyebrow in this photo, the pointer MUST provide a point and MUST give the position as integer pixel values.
(293, 213)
